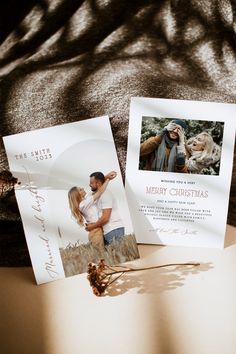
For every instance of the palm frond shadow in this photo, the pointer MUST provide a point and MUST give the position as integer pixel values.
(115, 35)
(125, 25)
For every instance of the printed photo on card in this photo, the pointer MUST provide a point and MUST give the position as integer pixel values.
(71, 198)
(178, 172)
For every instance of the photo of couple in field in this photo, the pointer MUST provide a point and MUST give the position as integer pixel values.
(181, 145)
(97, 212)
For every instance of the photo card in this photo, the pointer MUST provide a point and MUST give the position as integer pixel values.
(179, 169)
(71, 198)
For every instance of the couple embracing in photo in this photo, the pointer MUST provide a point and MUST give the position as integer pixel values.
(170, 151)
(97, 211)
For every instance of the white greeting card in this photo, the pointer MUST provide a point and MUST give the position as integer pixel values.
(178, 172)
(53, 166)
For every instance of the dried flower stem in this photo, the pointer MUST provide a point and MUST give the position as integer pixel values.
(127, 270)
(100, 276)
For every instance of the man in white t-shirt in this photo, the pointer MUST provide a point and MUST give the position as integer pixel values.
(109, 218)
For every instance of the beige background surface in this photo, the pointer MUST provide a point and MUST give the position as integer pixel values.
(170, 310)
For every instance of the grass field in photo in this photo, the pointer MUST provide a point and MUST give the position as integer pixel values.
(75, 258)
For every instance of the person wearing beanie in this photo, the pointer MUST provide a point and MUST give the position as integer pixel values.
(166, 150)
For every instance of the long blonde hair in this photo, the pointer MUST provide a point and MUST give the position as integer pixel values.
(207, 153)
(197, 161)
(75, 199)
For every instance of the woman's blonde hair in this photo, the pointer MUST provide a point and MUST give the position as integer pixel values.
(74, 198)
(209, 150)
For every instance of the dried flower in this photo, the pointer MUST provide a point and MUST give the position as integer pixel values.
(98, 278)
(7, 182)
(101, 275)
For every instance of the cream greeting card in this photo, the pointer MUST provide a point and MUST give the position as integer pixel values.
(71, 197)
(178, 171)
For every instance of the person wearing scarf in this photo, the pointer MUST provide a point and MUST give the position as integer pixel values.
(166, 151)
(202, 154)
